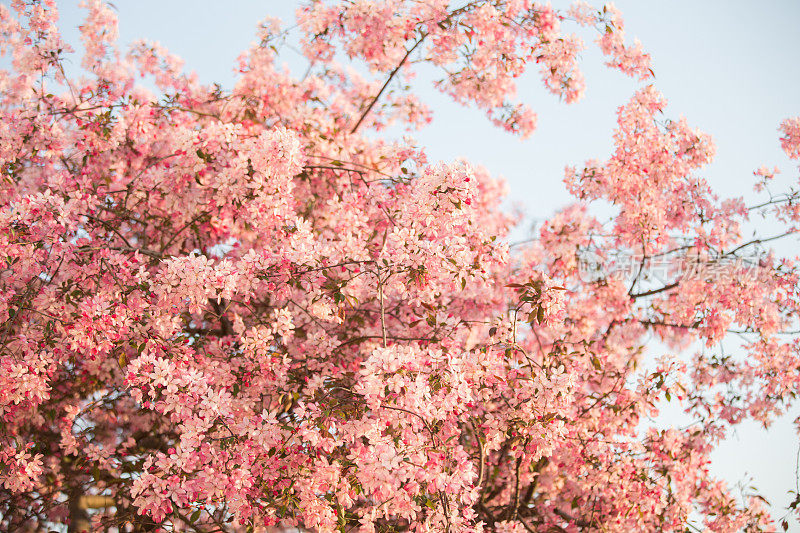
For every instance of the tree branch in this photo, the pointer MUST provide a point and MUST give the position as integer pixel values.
(576, 521)
(383, 308)
(388, 80)
(655, 291)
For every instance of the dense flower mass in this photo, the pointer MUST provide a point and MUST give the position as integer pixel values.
(233, 310)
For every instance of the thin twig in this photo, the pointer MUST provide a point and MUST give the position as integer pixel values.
(482, 460)
(515, 508)
(388, 80)
(383, 308)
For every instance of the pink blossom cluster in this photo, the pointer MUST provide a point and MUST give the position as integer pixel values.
(481, 48)
(246, 309)
(791, 137)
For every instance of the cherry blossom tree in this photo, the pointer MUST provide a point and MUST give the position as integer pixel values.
(234, 310)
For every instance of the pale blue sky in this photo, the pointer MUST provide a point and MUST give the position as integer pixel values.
(731, 67)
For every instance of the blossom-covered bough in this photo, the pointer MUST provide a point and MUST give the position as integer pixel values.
(235, 310)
